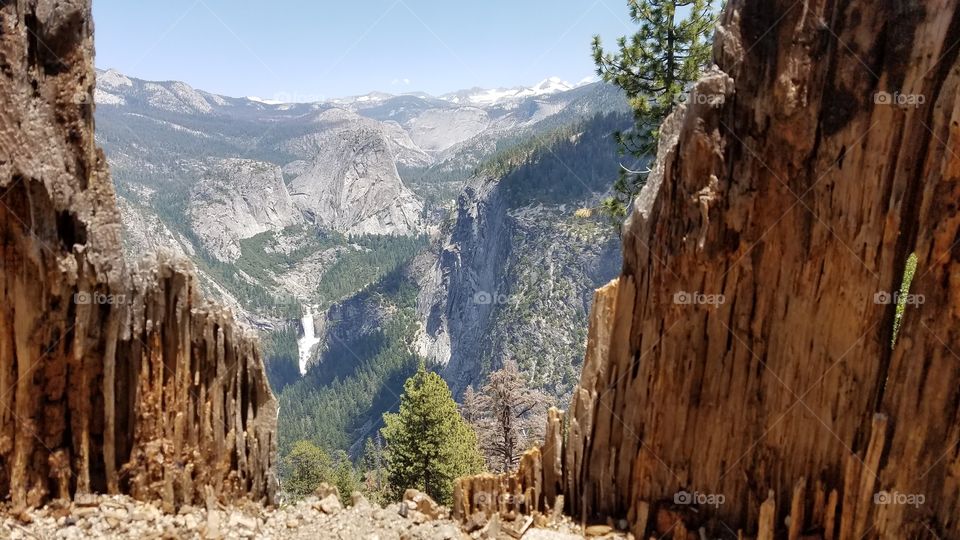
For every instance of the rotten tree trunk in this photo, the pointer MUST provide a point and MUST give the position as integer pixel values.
(111, 379)
(744, 355)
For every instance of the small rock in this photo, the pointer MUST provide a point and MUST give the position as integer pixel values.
(424, 504)
(598, 530)
(293, 523)
(239, 520)
(330, 504)
(358, 500)
(119, 514)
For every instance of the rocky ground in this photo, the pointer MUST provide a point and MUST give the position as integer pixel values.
(416, 518)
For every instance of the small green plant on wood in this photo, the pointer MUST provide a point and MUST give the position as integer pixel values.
(909, 270)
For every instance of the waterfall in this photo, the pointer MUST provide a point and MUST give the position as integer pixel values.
(309, 339)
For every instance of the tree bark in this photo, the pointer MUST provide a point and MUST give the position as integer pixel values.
(111, 379)
(745, 351)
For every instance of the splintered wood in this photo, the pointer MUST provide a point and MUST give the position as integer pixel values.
(739, 380)
(111, 379)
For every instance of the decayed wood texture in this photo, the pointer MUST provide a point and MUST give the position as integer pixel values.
(111, 379)
(822, 150)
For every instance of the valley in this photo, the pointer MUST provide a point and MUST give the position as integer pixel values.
(713, 297)
(362, 235)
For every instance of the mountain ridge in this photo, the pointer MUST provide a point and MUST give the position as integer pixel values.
(353, 235)
(476, 95)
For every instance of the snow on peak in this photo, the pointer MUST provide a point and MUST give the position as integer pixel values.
(265, 101)
(478, 96)
(546, 87)
(112, 78)
(552, 85)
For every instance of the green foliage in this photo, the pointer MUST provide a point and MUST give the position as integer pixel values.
(337, 411)
(910, 270)
(565, 166)
(366, 261)
(340, 401)
(374, 466)
(429, 444)
(345, 476)
(261, 261)
(282, 357)
(305, 468)
(653, 67)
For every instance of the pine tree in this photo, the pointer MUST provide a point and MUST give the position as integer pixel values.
(306, 467)
(374, 469)
(345, 476)
(511, 417)
(429, 444)
(654, 68)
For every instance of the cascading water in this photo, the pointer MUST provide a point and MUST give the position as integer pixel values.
(308, 340)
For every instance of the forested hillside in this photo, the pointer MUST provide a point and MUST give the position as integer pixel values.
(557, 251)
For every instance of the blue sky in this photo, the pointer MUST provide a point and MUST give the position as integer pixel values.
(305, 50)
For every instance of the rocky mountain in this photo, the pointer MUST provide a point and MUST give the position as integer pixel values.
(263, 195)
(361, 235)
(347, 179)
(234, 199)
(515, 275)
(510, 277)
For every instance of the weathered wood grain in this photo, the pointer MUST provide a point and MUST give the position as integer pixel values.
(825, 152)
(112, 379)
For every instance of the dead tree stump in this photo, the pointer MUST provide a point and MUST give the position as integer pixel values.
(111, 379)
(744, 355)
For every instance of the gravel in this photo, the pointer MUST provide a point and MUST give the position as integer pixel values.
(120, 517)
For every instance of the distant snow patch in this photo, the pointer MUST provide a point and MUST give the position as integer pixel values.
(101, 97)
